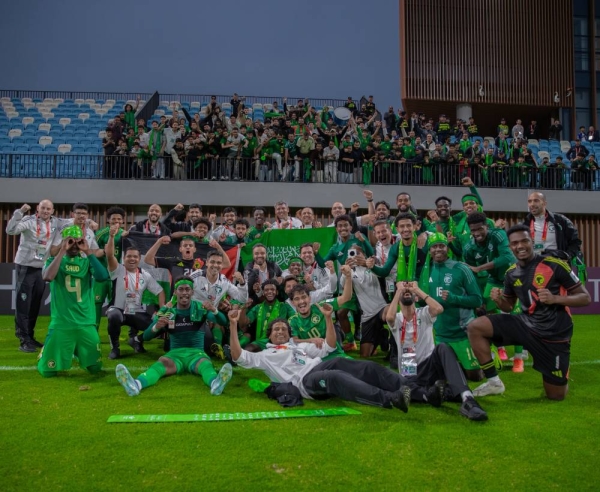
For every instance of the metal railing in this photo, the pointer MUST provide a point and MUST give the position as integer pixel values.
(123, 96)
(297, 170)
(249, 100)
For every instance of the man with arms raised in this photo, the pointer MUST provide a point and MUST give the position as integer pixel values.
(546, 288)
(194, 212)
(37, 234)
(184, 323)
(301, 364)
(79, 214)
(427, 366)
(126, 308)
(72, 327)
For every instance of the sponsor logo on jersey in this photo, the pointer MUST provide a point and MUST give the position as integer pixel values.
(51, 364)
(518, 283)
(448, 278)
(478, 256)
(23, 296)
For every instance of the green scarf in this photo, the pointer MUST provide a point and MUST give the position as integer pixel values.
(488, 161)
(402, 274)
(263, 320)
(197, 311)
(425, 274)
(307, 167)
(130, 119)
(367, 168)
(154, 143)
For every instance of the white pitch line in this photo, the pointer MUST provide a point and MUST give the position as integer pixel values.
(143, 368)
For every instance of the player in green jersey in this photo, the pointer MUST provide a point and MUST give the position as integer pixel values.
(489, 256)
(72, 322)
(453, 285)
(263, 313)
(308, 324)
(103, 290)
(184, 322)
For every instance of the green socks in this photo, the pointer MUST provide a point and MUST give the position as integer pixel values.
(206, 370)
(152, 375)
(217, 335)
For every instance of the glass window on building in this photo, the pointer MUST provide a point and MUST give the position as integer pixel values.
(582, 117)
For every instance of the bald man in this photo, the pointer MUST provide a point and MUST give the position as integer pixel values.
(37, 234)
(152, 225)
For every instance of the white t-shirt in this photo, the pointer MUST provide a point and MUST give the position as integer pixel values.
(287, 363)
(293, 223)
(128, 293)
(381, 255)
(170, 137)
(424, 345)
(367, 290)
(204, 290)
(88, 234)
(550, 242)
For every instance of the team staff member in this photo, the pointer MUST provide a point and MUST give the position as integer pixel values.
(194, 212)
(37, 235)
(129, 284)
(152, 224)
(546, 287)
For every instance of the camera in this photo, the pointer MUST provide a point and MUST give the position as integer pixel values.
(352, 253)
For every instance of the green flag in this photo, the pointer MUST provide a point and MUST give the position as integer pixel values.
(283, 244)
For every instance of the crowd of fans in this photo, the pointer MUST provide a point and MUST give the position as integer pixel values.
(301, 143)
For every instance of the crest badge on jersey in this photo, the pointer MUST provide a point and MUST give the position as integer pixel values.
(448, 278)
(315, 319)
(539, 279)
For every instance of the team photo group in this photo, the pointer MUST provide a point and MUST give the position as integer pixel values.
(446, 297)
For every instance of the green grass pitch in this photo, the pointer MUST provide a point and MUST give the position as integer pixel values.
(54, 434)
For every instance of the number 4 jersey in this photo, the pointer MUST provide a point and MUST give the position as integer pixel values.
(72, 294)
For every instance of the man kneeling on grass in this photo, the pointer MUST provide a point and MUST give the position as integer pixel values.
(301, 364)
(184, 323)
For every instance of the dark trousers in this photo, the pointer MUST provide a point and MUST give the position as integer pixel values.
(116, 319)
(361, 381)
(441, 364)
(30, 291)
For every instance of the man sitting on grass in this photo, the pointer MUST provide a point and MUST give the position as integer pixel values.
(302, 365)
(184, 325)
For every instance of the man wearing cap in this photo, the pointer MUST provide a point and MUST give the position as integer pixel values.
(72, 327)
(453, 285)
(184, 323)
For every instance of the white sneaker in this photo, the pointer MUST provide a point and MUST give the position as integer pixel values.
(126, 380)
(489, 388)
(219, 383)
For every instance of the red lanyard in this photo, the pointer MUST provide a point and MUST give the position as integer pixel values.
(544, 230)
(137, 280)
(147, 229)
(403, 333)
(230, 229)
(289, 221)
(383, 255)
(312, 268)
(38, 229)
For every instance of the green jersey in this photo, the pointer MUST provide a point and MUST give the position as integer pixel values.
(72, 294)
(255, 233)
(314, 326)
(102, 237)
(494, 249)
(339, 251)
(463, 297)
(264, 313)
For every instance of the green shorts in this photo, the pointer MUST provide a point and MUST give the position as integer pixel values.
(61, 344)
(490, 306)
(102, 291)
(464, 354)
(185, 359)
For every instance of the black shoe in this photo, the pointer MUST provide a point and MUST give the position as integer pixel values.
(227, 352)
(471, 409)
(384, 343)
(449, 396)
(435, 394)
(136, 345)
(28, 347)
(36, 343)
(115, 353)
(401, 398)
(357, 334)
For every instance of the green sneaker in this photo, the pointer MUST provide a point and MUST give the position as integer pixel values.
(217, 351)
(496, 357)
(258, 386)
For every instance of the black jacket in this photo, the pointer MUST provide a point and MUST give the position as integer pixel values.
(251, 276)
(567, 237)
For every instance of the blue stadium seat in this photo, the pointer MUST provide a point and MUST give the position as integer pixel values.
(51, 149)
(36, 148)
(16, 126)
(6, 148)
(30, 141)
(77, 149)
(20, 149)
(4, 140)
(87, 141)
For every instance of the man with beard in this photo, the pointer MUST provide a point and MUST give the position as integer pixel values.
(427, 367)
(260, 226)
(453, 285)
(72, 328)
(129, 284)
(258, 270)
(404, 203)
(184, 323)
(212, 286)
(283, 219)
(37, 235)
(79, 215)
(546, 288)
(262, 314)
(152, 224)
(194, 212)
(302, 365)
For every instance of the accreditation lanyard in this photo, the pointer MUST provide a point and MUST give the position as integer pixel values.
(404, 325)
(544, 231)
(38, 229)
(289, 221)
(147, 229)
(137, 280)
